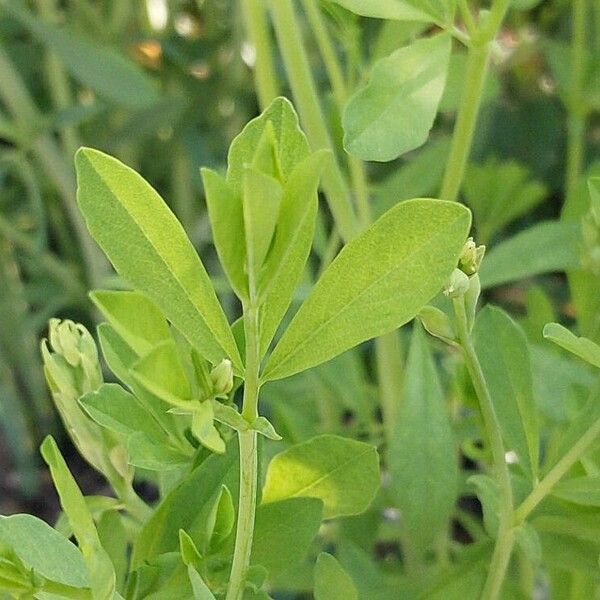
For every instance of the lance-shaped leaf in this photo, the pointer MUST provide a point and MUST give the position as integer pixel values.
(262, 199)
(395, 111)
(331, 581)
(290, 144)
(436, 11)
(378, 282)
(134, 317)
(579, 346)
(292, 243)
(227, 221)
(502, 349)
(100, 568)
(149, 248)
(422, 458)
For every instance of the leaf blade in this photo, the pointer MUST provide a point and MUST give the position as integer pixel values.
(396, 266)
(149, 248)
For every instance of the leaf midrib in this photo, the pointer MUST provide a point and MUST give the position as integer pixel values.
(397, 266)
(162, 260)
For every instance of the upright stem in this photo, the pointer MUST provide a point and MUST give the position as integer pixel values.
(255, 16)
(335, 74)
(248, 460)
(577, 113)
(505, 538)
(304, 89)
(477, 68)
(246, 511)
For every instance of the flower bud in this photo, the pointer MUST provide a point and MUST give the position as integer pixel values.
(437, 323)
(221, 378)
(471, 299)
(457, 284)
(75, 344)
(470, 258)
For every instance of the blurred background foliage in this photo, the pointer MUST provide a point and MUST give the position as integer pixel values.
(165, 85)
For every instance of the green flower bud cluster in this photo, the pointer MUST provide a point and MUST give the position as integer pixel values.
(464, 281)
(72, 370)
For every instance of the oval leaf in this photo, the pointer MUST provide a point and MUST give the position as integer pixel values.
(395, 111)
(341, 472)
(378, 282)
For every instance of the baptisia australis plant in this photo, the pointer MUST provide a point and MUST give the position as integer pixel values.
(228, 519)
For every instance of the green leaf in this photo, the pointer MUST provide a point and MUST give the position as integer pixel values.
(291, 246)
(437, 11)
(181, 507)
(161, 372)
(419, 177)
(100, 568)
(341, 472)
(580, 490)
(528, 541)
(488, 494)
(579, 346)
(262, 200)
(155, 455)
(227, 222)
(43, 550)
(422, 457)
(224, 519)
(149, 248)
(291, 146)
(395, 111)
(498, 193)
(203, 427)
(200, 589)
(502, 349)
(263, 426)
(331, 581)
(101, 68)
(118, 410)
(283, 532)
(117, 353)
(543, 248)
(134, 317)
(378, 282)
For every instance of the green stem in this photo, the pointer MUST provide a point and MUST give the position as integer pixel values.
(576, 121)
(305, 94)
(58, 81)
(478, 60)
(505, 538)
(335, 75)
(340, 94)
(255, 17)
(248, 460)
(557, 472)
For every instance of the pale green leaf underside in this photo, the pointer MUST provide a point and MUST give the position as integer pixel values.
(395, 111)
(149, 248)
(341, 472)
(579, 346)
(545, 247)
(422, 457)
(437, 11)
(504, 354)
(378, 282)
